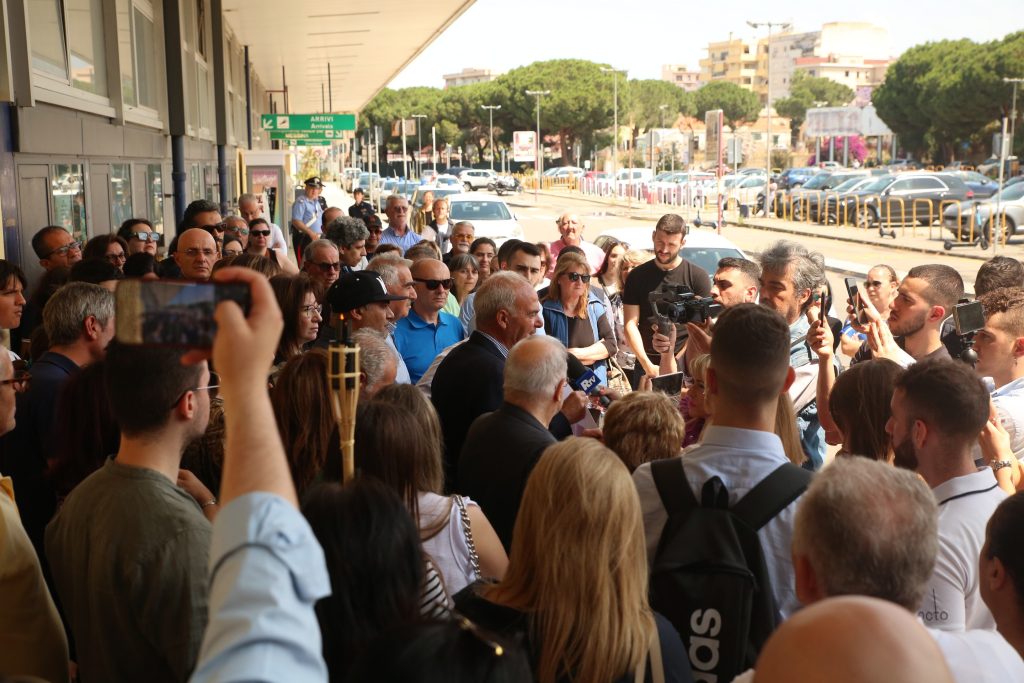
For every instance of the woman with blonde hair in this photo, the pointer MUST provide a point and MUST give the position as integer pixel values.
(575, 315)
(643, 426)
(576, 588)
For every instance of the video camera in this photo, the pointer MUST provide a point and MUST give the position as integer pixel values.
(675, 303)
(968, 317)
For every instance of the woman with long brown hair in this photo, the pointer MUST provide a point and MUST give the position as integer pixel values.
(576, 316)
(576, 587)
(398, 440)
(297, 297)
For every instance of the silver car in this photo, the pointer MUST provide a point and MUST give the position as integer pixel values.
(960, 219)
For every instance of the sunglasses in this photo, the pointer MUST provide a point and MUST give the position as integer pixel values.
(873, 283)
(576, 277)
(434, 284)
(146, 236)
(260, 233)
(219, 227)
(328, 267)
(238, 231)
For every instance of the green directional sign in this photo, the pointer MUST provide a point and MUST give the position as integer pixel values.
(309, 122)
(305, 135)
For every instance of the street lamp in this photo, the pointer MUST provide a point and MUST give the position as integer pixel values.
(490, 111)
(615, 125)
(419, 146)
(784, 25)
(538, 162)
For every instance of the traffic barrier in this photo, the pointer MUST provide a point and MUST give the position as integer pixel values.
(990, 229)
(806, 205)
(888, 218)
(863, 215)
(959, 218)
(913, 213)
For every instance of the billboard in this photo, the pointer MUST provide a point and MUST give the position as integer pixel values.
(524, 145)
(396, 128)
(838, 121)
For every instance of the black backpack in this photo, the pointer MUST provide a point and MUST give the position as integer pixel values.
(709, 576)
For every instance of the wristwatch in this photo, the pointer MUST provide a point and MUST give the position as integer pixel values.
(997, 465)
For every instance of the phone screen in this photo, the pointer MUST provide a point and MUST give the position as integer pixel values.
(172, 313)
(671, 384)
(969, 317)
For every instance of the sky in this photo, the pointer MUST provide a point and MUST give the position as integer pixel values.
(641, 35)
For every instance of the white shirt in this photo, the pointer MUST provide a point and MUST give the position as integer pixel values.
(978, 656)
(1009, 402)
(277, 240)
(448, 548)
(952, 601)
(741, 458)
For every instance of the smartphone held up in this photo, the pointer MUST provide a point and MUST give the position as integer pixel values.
(173, 313)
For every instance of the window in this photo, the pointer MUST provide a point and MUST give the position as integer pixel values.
(68, 44)
(154, 180)
(46, 28)
(201, 28)
(197, 182)
(120, 193)
(926, 183)
(67, 187)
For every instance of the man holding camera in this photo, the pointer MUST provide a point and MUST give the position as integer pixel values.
(667, 267)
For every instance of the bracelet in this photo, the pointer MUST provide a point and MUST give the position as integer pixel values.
(997, 465)
(212, 501)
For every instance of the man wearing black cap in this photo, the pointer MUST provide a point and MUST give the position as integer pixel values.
(307, 216)
(363, 297)
(360, 208)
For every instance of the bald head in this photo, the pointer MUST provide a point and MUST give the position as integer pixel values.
(535, 372)
(570, 227)
(852, 640)
(196, 254)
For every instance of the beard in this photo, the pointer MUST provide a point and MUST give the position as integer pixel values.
(906, 326)
(905, 455)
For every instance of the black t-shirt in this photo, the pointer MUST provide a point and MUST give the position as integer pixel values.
(648, 277)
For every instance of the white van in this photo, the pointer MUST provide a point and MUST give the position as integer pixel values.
(634, 175)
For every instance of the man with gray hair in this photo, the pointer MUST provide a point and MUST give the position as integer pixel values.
(502, 447)
(468, 381)
(791, 279)
(394, 270)
(79, 323)
(860, 513)
(378, 363)
(349, 234)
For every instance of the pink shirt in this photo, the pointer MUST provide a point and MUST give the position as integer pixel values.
(595, 255)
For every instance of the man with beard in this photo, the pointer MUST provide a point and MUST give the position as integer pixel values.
(925, 298)
(667, 266)
(938, 409)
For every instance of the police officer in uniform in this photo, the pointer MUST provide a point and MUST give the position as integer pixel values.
(307, 216)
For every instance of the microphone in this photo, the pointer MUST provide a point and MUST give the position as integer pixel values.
(581, 378)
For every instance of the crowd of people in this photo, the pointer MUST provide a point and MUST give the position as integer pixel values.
(825, 498)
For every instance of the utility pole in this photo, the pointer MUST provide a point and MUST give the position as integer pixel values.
(538, 161)
(662, 108)
(1013, 114)
(405, 162)
(784, 25)
(419, 145)
(615, 124)
(490, 111)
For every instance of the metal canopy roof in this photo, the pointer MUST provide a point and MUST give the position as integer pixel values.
(366, 42)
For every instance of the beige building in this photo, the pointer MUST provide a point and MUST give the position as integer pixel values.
(733, 60)
(679, 75)
(469, 75)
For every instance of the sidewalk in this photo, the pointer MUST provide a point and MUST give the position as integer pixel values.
(927, 240)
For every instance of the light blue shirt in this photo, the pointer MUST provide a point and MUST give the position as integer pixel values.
(741, 458)
(812, 436)
(267, 571)
(402, 376)
(305, 209)
(1009, 402)
(389, 236)
(419, 342)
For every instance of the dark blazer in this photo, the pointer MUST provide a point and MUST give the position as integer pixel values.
(497, 457)
(467, 384)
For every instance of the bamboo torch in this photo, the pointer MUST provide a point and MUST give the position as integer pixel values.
(343, 379)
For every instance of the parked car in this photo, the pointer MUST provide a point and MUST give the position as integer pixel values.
(704, 248)
(438, 191)
(990, 166)
(477, 178)
(747, 189)
(634, 175)
(960, 219)
(806, 204)
(447, 179)
(981, 185)
(349, 176)
(900, 199)
(827, 212)
(489, 215)
(564, 172)
(813, 184)
(897, 165)
(795, 177)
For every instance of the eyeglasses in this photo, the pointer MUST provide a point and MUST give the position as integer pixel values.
(212, 388)
(238, 231)
(311, 309)
(63, 251)
(193, 252)
(375, 230)
(229, 253)
(434, 284)
(146, 236)
(260, 233)
(576, 277)
(219, 227)
(328, 267)
(116, 258)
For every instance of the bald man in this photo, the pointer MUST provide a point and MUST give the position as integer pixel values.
(196, 254)
(851, 640)
(570, 227)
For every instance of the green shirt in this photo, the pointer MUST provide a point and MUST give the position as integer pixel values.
(451, 305)
(128, 552)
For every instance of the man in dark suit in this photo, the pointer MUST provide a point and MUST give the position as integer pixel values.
(502, 447)
(468, 383)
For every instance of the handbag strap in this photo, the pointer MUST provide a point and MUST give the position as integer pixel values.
(657, 665)
(467, 530)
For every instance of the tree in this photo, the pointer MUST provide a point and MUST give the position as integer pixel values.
(737, 104)
(804, 92)
(640, 104)
(858, 150)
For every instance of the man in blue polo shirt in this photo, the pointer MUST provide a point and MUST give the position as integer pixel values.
(307, 216)
(427, 330)
(398, 231)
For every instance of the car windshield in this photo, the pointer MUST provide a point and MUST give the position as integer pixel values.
(479, 211)
(817, 181)
(847, 184)
(879, 184)
(1012, 193)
